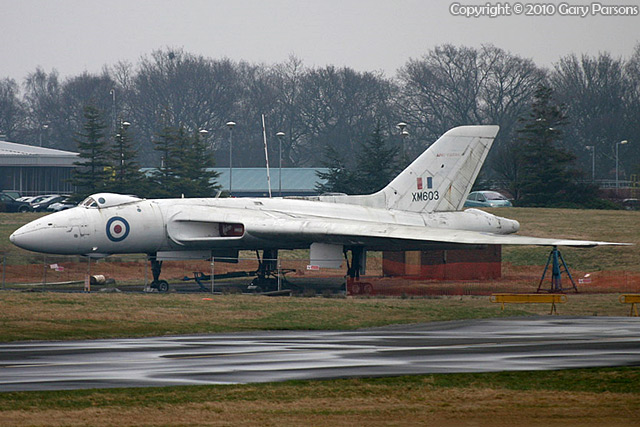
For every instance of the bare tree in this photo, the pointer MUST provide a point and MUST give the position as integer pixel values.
(452, 86)
(174, 88)
(288, 79)
(77, 93)
(595, 90)
(442, 90)
(42, 101)
(12, 114)
(257, 95)
(505, 97)
(632, 112)
(339, 107)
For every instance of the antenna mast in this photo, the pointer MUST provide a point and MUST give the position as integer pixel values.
(266, 154)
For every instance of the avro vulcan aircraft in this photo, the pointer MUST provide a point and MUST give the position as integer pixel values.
(420, 209)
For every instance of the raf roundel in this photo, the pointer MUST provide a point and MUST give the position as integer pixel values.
(117, 229)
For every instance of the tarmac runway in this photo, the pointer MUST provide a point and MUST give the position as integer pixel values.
(539, 343)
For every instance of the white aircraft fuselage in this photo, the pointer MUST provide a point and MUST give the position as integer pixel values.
(420, 209)
(148, 226)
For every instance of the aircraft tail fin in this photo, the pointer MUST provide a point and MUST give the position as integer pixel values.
(441, 178)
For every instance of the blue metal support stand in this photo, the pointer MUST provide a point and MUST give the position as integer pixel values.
(557, 267)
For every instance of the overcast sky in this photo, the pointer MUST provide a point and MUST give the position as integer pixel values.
(77, 35)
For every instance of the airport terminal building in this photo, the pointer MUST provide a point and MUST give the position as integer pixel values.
(31, 170)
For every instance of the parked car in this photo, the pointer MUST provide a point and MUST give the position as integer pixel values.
(13, 194)
(43, 204)
(61, 205)
(631, 204)
(37, 199)
(9, 204)
(488, 199)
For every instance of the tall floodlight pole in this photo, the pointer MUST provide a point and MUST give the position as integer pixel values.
(280, 135)
(592, 148)
(230, 125)
(617, 145)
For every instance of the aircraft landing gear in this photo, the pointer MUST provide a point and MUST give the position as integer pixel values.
(357, 265)
(156, 269)
(267, 273)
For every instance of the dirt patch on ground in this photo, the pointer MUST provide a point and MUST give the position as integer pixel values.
(136, 273)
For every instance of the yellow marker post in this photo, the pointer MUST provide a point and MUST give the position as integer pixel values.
(632, 299)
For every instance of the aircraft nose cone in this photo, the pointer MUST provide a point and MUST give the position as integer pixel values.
(24, 237)
(57, 233)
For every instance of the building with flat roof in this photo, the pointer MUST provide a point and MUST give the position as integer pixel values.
(253, 182)
(31, 170)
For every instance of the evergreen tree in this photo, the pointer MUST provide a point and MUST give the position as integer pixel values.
(203, 160)
(548, 177)
(376, 166)
(186, 166)
(93, 171)
(194, 165)
(163, 180)
(339, 179)
(127, 178)
(377, 163)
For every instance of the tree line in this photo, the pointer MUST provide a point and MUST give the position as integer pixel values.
(329, 114)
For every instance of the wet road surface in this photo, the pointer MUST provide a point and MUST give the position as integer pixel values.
(539, 343)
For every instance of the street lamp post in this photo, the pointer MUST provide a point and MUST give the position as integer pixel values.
(203, 134)
(403, 135)
(124, 125)
(280, 135)
(230, 125)
(617, 179)
(592, 148)
(44, 129)
(114, 111)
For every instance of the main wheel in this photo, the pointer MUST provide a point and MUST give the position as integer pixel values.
(355, 289)
(163, 286)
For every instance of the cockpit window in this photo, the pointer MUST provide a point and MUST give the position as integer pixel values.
(89, 203)
(106, 200)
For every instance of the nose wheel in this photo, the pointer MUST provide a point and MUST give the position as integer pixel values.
(156, 269)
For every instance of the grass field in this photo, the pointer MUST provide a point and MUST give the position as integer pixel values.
(610, 226)
(585, 397)
(61, 316)
(573, 397)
